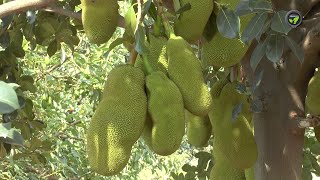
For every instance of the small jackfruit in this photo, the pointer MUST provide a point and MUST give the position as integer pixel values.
(234, 137)
(313, 94)
(118, 121)
(100, 19)
(199, 129)
(166, 110)
(191, 23)
(224, 52)
(184, 69)
(156, 55)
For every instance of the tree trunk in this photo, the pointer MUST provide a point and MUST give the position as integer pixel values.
(282, 91)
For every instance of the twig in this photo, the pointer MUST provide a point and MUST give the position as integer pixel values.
(308, 121)
(61, 11)
(53, 68)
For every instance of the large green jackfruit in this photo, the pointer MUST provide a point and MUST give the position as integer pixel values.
(118, 121)
(166, 110)
(100, 19)
(223, 169)
(156, 55)
(191, 23)
(199, 129)
(184, 69)
(313, 94)
(234, 137)
(224, 52)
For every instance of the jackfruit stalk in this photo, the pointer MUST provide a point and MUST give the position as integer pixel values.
(184, 69)
(100, 19)
(156, 55)
(199, 129)
(166, 110)
(118, 120)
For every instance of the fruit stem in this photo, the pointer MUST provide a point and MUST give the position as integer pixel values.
(166, 23)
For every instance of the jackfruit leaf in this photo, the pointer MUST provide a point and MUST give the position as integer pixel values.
(10, 117)
(262, 6)
(258, 53)
(254, 27)
(275, 47)
(257, 80)
(13, 85)
(278, 23)
(31, 16)
(252, 3)
(243, 8)
(52, 48)
(211, 28)
(256, 106)
(228, 23)
(10, 135)
(247, 7)
(306, 174)
(184, 8)
(266, 27)
(7, 20)
(5, 40)
(241, 88)
(115, 43)
(130, 21)
(27, 84)
(236, 111)
(3, 151)
(146, 7)
(188, 168)
(140, 46)
(190, 175)
(315, 165)
(315, 148)
(8, 98)
(295, 48)
(153, 12)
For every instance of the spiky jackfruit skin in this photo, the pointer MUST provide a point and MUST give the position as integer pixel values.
(224, 52)
(191, 23)
(118, 121)
(198, 129)
(223, 169)
(166, 110)
(184, 69)
(156, 55)
(100, 19)
(235, 139)
(313, 94)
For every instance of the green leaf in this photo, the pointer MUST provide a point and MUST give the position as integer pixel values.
(275, 48)
(254, 27)
(279, 23)
(140, 46)
(130, 21)
(306, 174)
(10, 135)
(228, 23)
(52, 48)
(315, 148)
(258, 54)
(8, 98)
(184, 8)
(295, 48)
(115, 43)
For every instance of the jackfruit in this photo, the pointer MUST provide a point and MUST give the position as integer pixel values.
(199, 129)
(100, 19)
(249, 173)
(191, 23)
(313, 94)
(233, 137)
(224, 52)
(166, 110)
(156, 55)
(118, 121)
(223, 170)
(184, 69)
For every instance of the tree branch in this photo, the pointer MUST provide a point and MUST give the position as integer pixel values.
(61, 11)
(22, 5)
(309, 121)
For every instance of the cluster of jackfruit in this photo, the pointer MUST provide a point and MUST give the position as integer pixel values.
(234, 147)
(223, 52)
(312, 100)
(100, 19)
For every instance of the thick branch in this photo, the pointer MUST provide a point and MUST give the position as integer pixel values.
(61, 11)
(22, 5)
